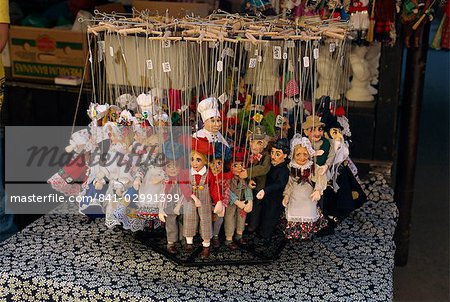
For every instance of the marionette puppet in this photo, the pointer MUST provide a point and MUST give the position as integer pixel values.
(272, 194)
(345, 193)
(68, 179)
(198, 208)
(177, 190)
(259, 166)
(240, 202)
(313, 128)
(303, 191)
(209, 112)
(102, 116)
(219, 187)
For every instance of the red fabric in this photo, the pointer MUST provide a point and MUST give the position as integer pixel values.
(76, 168)
(219, 187)
(202, 146)
(183, 180)
(174, 99)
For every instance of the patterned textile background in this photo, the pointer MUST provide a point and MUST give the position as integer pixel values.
(59, 258)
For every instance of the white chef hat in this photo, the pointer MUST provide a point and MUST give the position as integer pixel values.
(145, 102)
(208, 108)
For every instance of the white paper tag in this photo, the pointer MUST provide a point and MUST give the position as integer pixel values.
(111, 51)
(284, 55)
(260, 59)
(290, 44)
(149, 64)
(256, 52)
(279, 121)
(166, 44)
(277, 52)
(166, 67)
(219, 66)
(306, 61)
(332, 47)
(316, 53)
(223, 98)
(252, 63)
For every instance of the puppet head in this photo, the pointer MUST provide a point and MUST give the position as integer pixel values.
(313, 128)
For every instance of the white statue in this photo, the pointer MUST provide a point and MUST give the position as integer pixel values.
(359, 86)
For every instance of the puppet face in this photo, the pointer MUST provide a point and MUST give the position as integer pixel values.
(172, 168)
(314, 133)
(198, 161)
(286, 125)
(257, 146)
(277, 156)
(216, 166)
(301, 155)
(213, 124)
(336, 134)
(237, 167)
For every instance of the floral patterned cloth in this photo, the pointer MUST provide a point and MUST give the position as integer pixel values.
(58, 258)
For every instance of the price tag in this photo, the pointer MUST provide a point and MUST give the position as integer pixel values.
(166, 44)
(279, 121)
(149, 64)
(252, 63)
(277, 52)
(316, 53)
(306, 61)
(111, 51)
(256, 52)
(260, 59)
(284, 55)
(166, 67)
(219, 66)
(223, 98)
(332, 47)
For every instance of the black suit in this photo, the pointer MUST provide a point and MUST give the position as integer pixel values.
(272, 203)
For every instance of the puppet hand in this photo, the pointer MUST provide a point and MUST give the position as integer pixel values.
(248, 207)
(319, 153)
(219, 207)
(240, 204)
(260, 194)
(315, 196)
(285, 201)
(243, 174)
(137, 184)
(162, 215)
(221, 214)
(197, 201)
(98, 184)
(177, 209)
(322, 169)
(252, 184)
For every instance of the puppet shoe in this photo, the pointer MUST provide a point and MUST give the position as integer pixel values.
(205, 253)
(215, 242)
(172, 249)
(231, 245)
(248, 207)
(189, 248)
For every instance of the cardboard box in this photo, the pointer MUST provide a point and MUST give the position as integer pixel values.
(42, 53)
(176, 9)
